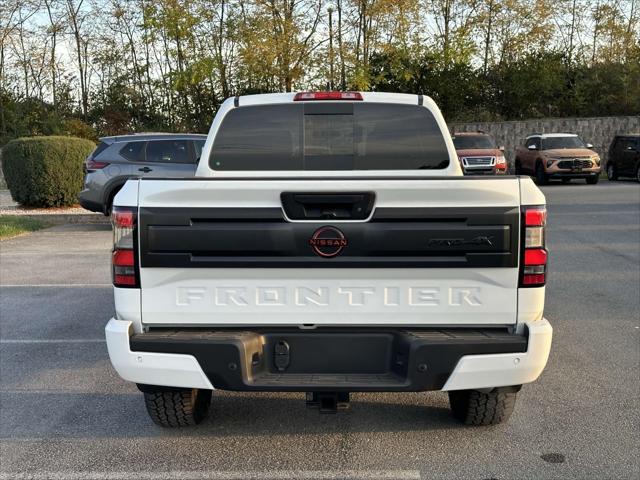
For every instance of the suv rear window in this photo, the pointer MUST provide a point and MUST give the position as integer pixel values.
(168, 151)
(329, 136)
(99, 149)
(133, 151)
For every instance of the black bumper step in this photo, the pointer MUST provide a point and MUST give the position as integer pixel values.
(330, 359)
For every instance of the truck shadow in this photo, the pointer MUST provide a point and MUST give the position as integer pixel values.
(286, 413)
(123, 415)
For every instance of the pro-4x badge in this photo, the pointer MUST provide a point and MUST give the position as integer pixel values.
(328, 241)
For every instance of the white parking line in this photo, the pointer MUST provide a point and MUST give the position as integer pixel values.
(220, 475)
(84, 253)
(592, 213)
(56, 285)
(52, 340)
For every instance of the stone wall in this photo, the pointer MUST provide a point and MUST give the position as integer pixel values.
(598, 130)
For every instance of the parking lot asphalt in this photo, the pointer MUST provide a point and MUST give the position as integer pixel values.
(64, 413)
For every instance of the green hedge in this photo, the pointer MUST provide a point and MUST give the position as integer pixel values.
(45, 171)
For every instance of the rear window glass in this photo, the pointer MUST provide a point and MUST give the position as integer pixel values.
(168, 151)
(533, 141)
(627, 143)
(198, 145)
(99, 149)
(133, 151)
(329, 136)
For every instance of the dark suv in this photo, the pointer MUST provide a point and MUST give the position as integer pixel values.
(624, 157)
(117, 159)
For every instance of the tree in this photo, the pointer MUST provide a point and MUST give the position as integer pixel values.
(132, 65)
(76, 18)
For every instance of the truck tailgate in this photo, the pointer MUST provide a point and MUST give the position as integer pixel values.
(293, 251)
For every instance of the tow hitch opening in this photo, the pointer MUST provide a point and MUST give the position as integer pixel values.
(328, 402)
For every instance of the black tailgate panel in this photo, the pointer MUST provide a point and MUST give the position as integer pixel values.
(392, 238)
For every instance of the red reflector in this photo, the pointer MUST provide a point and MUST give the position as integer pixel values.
(535, 256)
(123, 258)
(534, 279)
(93, 165)
(122, 218)
(124, 280)
(535, 217)
(310, 96)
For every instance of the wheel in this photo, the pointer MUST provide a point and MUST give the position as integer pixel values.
(541, 176)
(109, 205)
(473, 407)
(593, 179)
(178, 407)
(611, 172)
(566, 180)
(638, 173)
(518, 167)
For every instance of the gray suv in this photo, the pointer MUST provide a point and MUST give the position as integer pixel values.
(117, 159)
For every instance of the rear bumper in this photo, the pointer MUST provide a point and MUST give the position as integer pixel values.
(583, 174)
(88, 203)
(356, 359)
(483, 171)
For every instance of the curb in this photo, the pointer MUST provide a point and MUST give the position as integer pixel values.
(64, 218)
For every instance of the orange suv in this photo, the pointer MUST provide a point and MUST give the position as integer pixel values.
(557, 155)
(478, 154)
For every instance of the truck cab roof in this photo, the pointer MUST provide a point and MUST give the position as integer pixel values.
(328, 133)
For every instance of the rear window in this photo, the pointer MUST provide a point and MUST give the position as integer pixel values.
(133, 151)
(329, 136)
(198, 145)
(99, 149)
(168, 151)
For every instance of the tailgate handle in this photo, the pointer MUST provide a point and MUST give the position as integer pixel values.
(327, 206)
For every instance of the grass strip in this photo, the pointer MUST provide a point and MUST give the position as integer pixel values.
(12, 225)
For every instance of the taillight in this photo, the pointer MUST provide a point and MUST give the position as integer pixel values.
(91, 164)
(124, 259)
(311, 96)
(533, 269)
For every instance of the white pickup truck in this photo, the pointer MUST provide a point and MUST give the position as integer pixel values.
(329, 244)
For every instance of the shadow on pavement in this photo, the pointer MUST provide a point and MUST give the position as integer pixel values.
(78, 415)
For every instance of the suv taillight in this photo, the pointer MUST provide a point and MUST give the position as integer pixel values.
(533, 262)
(91, 164)
(124, 259)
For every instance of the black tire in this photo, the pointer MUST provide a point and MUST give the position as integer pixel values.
(179, 407)
(109, 204)
(566, 180)
(541, 176)
(592, 180)
(472, 407)
(612, 174)
(518, 167)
